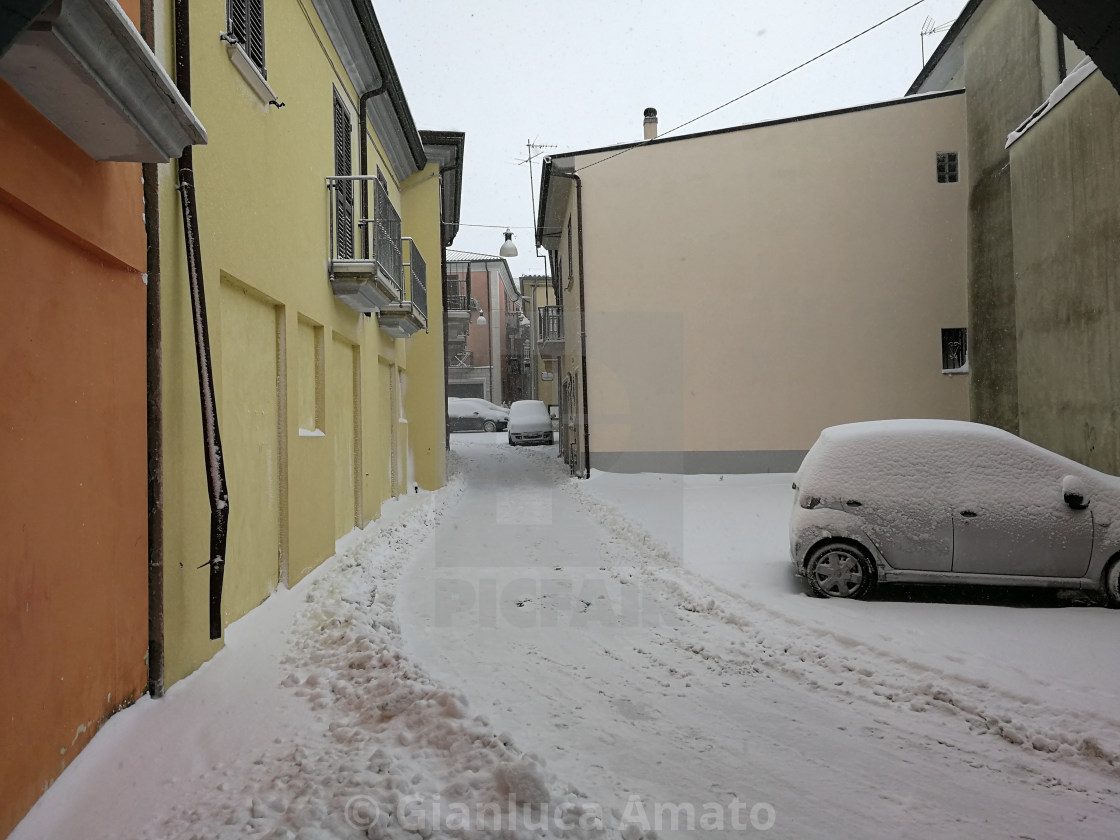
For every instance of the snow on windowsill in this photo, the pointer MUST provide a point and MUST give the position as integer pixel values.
(312, 433)
(957, 370)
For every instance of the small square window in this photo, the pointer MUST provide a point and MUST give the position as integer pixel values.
(954, 350)
(948, 168)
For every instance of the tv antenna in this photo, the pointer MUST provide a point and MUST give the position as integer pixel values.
(929, 28)
(534, 150)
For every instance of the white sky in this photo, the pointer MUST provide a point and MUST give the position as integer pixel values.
(578, 74)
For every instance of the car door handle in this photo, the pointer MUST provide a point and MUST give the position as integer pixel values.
(968, 514)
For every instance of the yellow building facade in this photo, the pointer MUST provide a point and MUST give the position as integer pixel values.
(325, 411)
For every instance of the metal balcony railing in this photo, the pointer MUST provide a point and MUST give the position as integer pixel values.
(550, 324)
(463, 359)
(355, 240)
(416, 279)
(458, 295)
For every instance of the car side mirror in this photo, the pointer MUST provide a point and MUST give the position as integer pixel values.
(1076, 501)
(1074, 493)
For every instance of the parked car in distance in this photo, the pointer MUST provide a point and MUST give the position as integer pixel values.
(474, 413)
(529, 423)
(945, 501)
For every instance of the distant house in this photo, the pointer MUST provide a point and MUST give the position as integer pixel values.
(486, 341)
(1043, 181)
(546, 337)
(726, 295)
(83, 102)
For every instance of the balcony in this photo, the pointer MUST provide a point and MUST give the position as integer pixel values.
(365, 264)
(462, 359)
(409, 315)
(550, 330)
(457, 293)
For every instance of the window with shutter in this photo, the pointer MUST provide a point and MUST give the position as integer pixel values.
(246, 25)
(342, 166)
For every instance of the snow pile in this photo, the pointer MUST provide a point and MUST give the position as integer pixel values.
(398, 756)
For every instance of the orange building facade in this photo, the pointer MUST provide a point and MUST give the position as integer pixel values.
(73, 430)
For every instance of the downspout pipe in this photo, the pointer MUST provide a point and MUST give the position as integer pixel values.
(363, 158)
(582, 319)
(443, 285)
(154, 353)
(217, 489)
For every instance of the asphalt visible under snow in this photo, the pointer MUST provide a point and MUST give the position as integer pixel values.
(525, 655)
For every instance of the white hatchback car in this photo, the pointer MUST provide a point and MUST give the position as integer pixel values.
(945, 501)
(529, 423)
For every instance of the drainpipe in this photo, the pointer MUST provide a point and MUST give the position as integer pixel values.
(154, 344)
(363, 158)
(443, 285)
(582, 320)
(212, 440)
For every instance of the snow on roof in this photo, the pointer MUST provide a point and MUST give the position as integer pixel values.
(465, 256)
(1079, 74)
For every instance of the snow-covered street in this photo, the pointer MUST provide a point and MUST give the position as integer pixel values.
(628, 656)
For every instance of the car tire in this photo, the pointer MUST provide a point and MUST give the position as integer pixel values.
(840, 570)
(510, 441)
(489, 426)
(1110, 584)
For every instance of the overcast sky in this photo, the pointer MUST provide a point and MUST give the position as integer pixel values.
(578, 74)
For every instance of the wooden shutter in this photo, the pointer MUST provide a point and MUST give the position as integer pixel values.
(255, 44)
(246, 25)
(344, 206)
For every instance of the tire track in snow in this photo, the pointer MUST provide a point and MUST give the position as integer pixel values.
(773, 643)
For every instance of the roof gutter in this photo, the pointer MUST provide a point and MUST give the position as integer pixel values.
(390, 81)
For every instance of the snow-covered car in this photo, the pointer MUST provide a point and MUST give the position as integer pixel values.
(474, 413)
(946, 501)
(529, 423)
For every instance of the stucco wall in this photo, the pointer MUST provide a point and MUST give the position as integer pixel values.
(1065, 176)
(73, 600)
(746, 289)
(1003, 75)
(263, 210)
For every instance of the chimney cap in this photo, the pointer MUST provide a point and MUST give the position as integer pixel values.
(651, 112)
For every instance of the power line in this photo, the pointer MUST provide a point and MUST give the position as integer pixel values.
(761, 86)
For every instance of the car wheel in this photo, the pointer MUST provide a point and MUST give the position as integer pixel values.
(1110, 583)
(511, 441)
(489, 426)
(840, 570)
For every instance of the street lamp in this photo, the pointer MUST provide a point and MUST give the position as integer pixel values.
(508, 249)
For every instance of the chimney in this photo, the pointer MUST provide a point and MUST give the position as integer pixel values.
(649, 124)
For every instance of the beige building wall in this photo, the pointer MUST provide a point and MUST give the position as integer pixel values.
(746, 289)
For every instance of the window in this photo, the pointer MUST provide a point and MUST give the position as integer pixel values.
(954, 350)
(344, 200)
(246, 29)
(948, 168)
